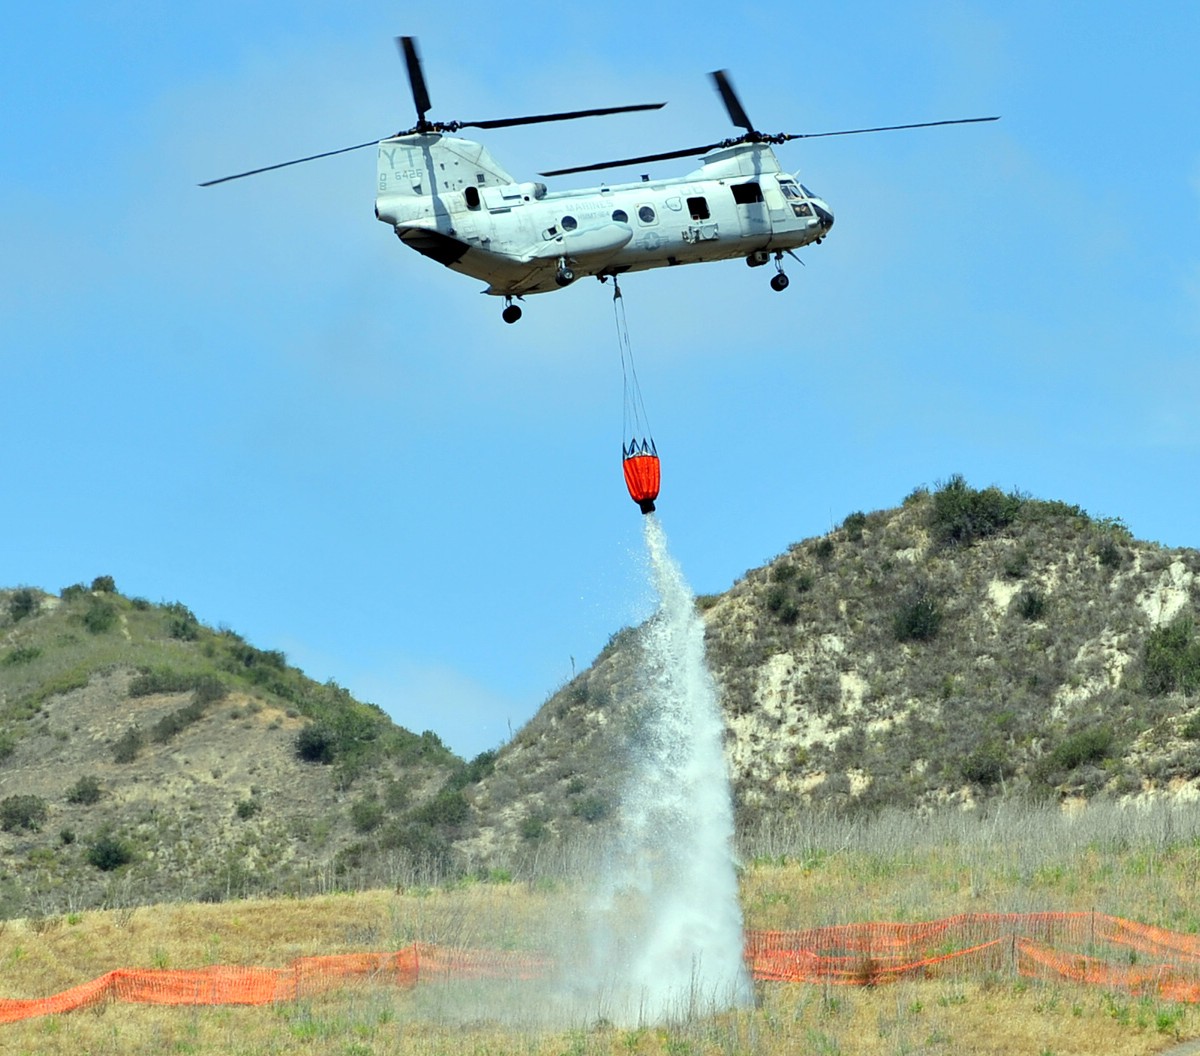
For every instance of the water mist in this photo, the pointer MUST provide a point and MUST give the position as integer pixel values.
(665, 923)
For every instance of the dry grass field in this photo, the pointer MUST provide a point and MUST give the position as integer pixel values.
(1141, 866)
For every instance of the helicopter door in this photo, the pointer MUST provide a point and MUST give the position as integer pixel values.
(702, 228)
(751, 209)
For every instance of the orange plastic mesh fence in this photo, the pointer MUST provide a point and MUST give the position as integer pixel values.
(1085, 947)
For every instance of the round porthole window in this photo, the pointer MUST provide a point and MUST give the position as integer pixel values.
(569, 223)
(620, 216)
(646, 214)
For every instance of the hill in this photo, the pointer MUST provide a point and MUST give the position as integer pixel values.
(967, 645)
(144, 756)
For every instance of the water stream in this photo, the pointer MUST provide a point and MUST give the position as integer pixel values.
(665, 922)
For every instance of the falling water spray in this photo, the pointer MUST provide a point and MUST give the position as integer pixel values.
(666, 924)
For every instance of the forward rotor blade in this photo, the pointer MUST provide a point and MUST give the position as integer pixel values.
(688, 153)
(416, 78)
(888, 128)
(506, 122)
(285, 164)
(732, 103)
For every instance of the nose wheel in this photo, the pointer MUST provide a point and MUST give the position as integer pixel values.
(779, 281)
(512, 312)
(564, 276)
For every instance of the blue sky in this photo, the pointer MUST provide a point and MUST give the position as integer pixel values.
(252, 399)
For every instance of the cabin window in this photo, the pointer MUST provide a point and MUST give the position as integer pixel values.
(698, 207)
(646, 214)
(569, 223)
(746, 193)
(620, 216)
(471, 194)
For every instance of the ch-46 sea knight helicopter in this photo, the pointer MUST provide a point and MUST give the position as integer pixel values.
(448, 199)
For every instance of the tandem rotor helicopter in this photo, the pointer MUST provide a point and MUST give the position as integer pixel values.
(448, 199)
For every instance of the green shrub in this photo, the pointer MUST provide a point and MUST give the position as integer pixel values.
(780, 602)
(1031, 604)
(161, 680)
(247, 808)
(1016, 562)
(447, 809)
(129, 746)
(23, 654)
(960, 515)
(316, 744)
(24, 602)
(396, 795)
(22, 812)
(182, 629)
(367, 814)
(85, 791)
(176, 722)
(918, 618)
(208, 689)
(75, 590)
(1109, 553)
(109, 852)
(1171, 658)
(854, 525)
(986, 765)
(475, 771)
(533, 827)
(104, 585)
(1086, 746)
(591, 808)
(100, 616)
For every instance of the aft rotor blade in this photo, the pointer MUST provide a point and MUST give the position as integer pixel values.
(887, 128)
(416, 78)
(285, 164)
(506, 122)
(732, 103)
(688, 153)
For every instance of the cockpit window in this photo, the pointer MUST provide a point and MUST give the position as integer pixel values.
(790, 190)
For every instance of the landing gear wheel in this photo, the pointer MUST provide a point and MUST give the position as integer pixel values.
(564, 276)
(758, 258)
(511, 313)
(779, 282)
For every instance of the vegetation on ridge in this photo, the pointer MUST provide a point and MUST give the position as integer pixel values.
(969, 644)
(141, 749)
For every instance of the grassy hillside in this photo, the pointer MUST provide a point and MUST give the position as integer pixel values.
(146, 756)
(1141, 865)
(967, 645)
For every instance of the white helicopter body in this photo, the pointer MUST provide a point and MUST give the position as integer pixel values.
(448, 199)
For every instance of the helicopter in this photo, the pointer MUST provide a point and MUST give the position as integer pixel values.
(448, 198)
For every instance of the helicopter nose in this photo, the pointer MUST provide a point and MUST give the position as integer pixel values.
(824, 215)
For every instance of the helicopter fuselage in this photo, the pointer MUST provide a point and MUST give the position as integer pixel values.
(447, 198)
